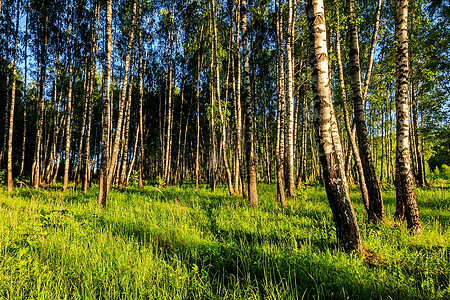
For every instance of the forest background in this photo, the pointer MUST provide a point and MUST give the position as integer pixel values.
(136, 95)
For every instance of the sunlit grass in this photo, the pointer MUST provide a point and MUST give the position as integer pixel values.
(182, 243)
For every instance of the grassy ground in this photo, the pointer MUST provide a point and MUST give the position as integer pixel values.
(193, 244)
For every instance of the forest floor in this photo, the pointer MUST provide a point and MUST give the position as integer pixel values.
(183, 243)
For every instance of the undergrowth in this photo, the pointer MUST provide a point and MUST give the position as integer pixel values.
(183, 243)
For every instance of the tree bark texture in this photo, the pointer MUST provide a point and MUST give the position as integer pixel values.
(36, 176)
(123, 98)
(281, 196)
(12, 105)
(376, 207)
(247, 99)
(406, 205)
(327, 135)
(289, 158)
(103, 183)
(351, 136)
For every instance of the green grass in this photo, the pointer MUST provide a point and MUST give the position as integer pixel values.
(178, 243)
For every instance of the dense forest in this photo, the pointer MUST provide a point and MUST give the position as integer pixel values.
(228, 92)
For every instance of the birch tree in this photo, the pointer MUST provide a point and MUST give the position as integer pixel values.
(327, 134)
(406, 205)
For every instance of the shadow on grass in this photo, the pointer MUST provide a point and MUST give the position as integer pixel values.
(319, 270)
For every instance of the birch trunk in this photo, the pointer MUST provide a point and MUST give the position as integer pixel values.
(376, 207)
(406, 205)
(36, 178)
(12, 105)
(351, 136)
(24, 136)
(68, 110)
(327, 135)
(116, 144)
(103, 183)
(249, 136)
(238, 162)
(141, 110)
(289, 159)
(281, 197)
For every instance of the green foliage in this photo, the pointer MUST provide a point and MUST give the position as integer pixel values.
(173, 243)
(3, 177)
(134, 178)
(302, 194)
(445, 172)
(160, 183)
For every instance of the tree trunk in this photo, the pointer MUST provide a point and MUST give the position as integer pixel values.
(383, 137)
(376, 207)
(103, 183)
(197, 98)
(36, 178)
(133, 159)
(239, 159)
(24, 136)
(327, 135)
(249, 137)
(302, 173)
(404, 181)
(68, 123)
(266, 143)
(80, 154)
(350, 133)
(419, 154)
(93, 62)
(281, 197)
(289, 159)
(169, 106)
(141, 110)
(222, 119)
(12, 105)
(126, 135)
(116, 144)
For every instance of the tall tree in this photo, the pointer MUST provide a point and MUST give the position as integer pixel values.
(281, 197)
(24, 134)
(141, 102)
(289, 158)
(217, 89)
(327, 134)
(348, 127)
(406, 205)
(103, 183)
(13, 101)
(246, 95)
(37, 163)
(376, 207)
(68, 129)
(123, 96)
(238, 164)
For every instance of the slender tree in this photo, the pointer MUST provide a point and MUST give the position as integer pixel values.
(289, 158)
(123, 98)
(281, 108)
(37, 163)
(247, 99)
(103, 183)
(24, 134)
(327, 134)
(12, 103)
(68, 110)
(406, 205)
(141, 102)
(376, 207)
